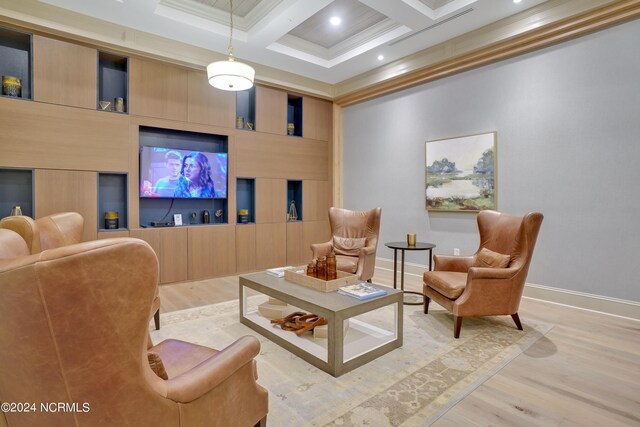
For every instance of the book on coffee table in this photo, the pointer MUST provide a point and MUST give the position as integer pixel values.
(278, 272)
(362, 291)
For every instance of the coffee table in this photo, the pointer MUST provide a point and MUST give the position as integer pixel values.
(339, 353)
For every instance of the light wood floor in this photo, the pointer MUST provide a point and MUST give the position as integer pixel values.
(584, 372)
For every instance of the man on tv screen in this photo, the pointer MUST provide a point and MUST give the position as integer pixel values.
(166, 187)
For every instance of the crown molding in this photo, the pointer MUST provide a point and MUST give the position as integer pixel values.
(544, 25)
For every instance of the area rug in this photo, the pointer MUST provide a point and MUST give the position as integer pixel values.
(410, 386)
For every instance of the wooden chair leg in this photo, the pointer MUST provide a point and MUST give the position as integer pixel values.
(516, 319)
(457, 326)
(156, 319)
(262, 422)
(427, 300)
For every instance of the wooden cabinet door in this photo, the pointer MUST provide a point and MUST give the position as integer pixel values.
(173, 255)
(317, 118)
(212, 251)
(68, 191)
(271, 110)
(208, 105)
(296, 254)
(271, 241)
(64, 73)
(158, 90)
(315, 200)
(245, 247)
(271, 200)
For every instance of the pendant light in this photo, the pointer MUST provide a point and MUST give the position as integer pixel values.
(230, 75)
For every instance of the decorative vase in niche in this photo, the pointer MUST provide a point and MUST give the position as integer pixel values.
(11, 86)
(291, 129)
(16, 211)
(240, 122)
(119, 105)
(111, 220)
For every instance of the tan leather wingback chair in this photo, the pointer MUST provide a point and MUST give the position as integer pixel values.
(51, 349)
(354, 240)
(54, 231)
(48, 232)
(463, 287)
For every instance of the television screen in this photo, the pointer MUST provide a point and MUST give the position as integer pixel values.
(169, 172)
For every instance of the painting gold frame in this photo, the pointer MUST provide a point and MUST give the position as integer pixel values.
(461, 173)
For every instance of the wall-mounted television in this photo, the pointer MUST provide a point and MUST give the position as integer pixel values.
(182, 174)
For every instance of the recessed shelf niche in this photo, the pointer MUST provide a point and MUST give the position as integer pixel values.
(246, 199)
(294, 115)
(16, 189)
(164, 209)
(112, 197)
(246, 109)
(16, 60)
(113, 82)
(294, 194)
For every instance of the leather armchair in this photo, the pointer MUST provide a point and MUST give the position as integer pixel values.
(54, 231)
(466, 289)
(52, 351)
(353, 225)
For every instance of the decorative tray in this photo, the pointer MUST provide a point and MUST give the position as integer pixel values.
(343, 279)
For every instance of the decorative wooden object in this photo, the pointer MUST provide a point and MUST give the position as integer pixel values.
(317, 284)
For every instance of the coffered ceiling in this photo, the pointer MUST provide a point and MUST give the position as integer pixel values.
(296, 35)
(292, 42)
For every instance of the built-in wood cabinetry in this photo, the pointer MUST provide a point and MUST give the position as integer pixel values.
(271, 110)
(210, 106)
(63, 191)
(246, 247)
(38, 135)
(317, 119)
(271, 242)
(212, 251)
(75, 155)
(158, 90)
(271, 200)
(295, 244)
(64, 73)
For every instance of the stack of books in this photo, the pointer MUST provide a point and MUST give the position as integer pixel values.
(362, 291)
(278, 272)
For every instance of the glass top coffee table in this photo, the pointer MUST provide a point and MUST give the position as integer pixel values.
(341, 352)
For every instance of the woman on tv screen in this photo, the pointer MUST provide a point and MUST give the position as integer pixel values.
(197, 171)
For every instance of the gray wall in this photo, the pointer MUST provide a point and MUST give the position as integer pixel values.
(568, 142)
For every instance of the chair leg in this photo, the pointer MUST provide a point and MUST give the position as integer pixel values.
(457, 326)
(427, 300)
(262, 422)
(156, 319)
(369, 281)
(516, 319)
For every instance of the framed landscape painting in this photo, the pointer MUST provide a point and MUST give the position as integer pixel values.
(461, 173)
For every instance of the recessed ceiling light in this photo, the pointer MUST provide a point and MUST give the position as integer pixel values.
(517, 1)
(380, 57)
(335, 20)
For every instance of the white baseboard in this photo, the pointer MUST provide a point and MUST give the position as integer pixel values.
(599, 303)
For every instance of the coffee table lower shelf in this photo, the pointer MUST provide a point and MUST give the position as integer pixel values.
(339, 353)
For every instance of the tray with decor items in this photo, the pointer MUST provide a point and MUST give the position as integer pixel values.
(298, 275)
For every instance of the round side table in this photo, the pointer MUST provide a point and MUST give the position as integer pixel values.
(403, 246)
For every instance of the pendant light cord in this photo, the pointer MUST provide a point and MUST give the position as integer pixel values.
(231, 30)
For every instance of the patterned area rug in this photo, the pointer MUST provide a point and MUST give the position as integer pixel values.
(410, 386)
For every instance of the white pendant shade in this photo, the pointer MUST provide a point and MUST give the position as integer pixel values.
(230, 75)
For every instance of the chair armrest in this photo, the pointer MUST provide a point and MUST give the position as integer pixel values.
(478, 273)
(367, 250)
(460, 264)
(321, 249)
(207, 375)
